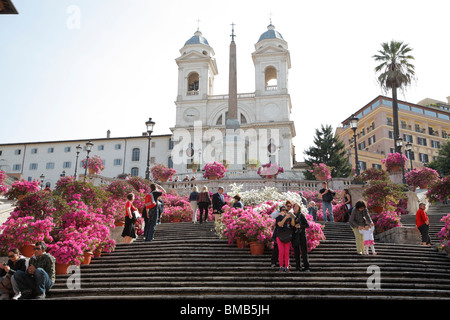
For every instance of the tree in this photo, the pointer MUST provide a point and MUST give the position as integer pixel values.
(330, 150)
(396, 72)
(442, 163)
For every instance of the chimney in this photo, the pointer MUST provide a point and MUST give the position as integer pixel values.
(108, 134)
(448, 99)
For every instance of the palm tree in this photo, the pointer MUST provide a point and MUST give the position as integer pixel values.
(396, 71)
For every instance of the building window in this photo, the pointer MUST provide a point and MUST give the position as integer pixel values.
(376, 166)
(50, 165)
(271, 78)
(117, 162)
(17, 167)
(362, 165)
(118, 146)
(51, 150)
(134, 172)
(391, 134)
(410, 155)
(423, 157)
(101, 147)
(136, 154)
(170, 162)
(67, 149)
(408, 138)
(170, 144)
(389, 121)
(34, 151)
(33, 166)
(421, 141)
(243, 119)
(371, 140)
(66, 164)
(435, 144)
(17, 152)
(362, 145)
(193, 83)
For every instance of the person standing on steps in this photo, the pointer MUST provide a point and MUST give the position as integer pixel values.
(327, 196)
(359, 218)
(299, 240)
(347, 204)
(423, 224)
(274, 215)
(152, 211)
(129, 230)
(193, 203)
(204, 201)
(285, 221)
(218, 201)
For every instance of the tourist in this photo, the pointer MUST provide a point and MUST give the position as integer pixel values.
(153, 212)
(327, 196)
(285, 221)
(186, 178)
(347, 205)
(193, 202)
(237, 202)
(312, 210)
(304, 201)
(367, 233)
(203, 201)
(218, 201)
(39, 278)
(359, 218)
(275, 251)
(8, 283)
(423, 224)
(129, 230)
(299, 239)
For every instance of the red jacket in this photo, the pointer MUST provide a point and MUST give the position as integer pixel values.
(421, 217)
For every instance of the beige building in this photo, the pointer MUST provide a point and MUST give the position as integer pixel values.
(426, 125)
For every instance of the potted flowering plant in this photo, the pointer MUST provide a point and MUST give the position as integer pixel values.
(444, 235)
(3, 188)
(374, 174)
(21, 187)
(393, 162)
(385, 221)
(269, 170)
(321, 171)
(381, 193)
(252, 163)
(162, 173)
(214, 170)
(421, 178)
(94, 165)
(24, 232)
(440, 190)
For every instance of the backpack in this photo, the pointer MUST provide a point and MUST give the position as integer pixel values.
(152, 202)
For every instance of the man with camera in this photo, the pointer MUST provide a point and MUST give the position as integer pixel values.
(327, 196)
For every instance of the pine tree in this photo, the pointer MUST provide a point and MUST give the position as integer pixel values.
(330, 150)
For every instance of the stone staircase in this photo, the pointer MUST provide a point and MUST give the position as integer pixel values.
(188, 262)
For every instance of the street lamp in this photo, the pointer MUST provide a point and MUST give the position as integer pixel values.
(399, 144)
(354, 126)
(42, 181)
(408, 147)
(78, 147)
(149, 124)
(89, 146)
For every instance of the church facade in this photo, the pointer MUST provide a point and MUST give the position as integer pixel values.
(265, 127)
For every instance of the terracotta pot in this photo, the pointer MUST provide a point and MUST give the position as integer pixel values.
(20, 197)
(27, 250)
(91, 171)
(423, 185)
(176, 220)
(87, 257)
(377, 209)
(212, 178)
(321, 177)
(396, 168)
(98, 252)
(119, 223)
(256, 248)
(241, 243)
(61, 268)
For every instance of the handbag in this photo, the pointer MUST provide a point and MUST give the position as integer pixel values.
(285, 235)
(136, 214)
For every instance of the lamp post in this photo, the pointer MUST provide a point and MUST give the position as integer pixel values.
(149, 124)
(354, 126)
(42, 181)
(78, 147)
(399, 144)
(408, 147)
(89, 146)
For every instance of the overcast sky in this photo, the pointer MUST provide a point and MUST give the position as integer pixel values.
(75, 69)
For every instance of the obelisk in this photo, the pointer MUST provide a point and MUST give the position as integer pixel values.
(233, 151)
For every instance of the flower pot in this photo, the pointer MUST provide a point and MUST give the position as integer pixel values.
(241, 243)
(119, 223)
(27, 250)
(256, 248)
(98, 252)
(20, 197)
(396, 168)
(377, 209)
(321, 177)
(87, 257)
(176, 219)
(212, 178)
(423, 185)
(61, 268)
(91, 171)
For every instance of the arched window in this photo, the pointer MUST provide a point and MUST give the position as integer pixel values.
(134, 172)
(136, 154)
(193, 83)
(271, 78)
(243, 119)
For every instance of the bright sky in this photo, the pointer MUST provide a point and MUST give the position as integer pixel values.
(65, 78)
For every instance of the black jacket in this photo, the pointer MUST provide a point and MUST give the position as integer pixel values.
(217, 203)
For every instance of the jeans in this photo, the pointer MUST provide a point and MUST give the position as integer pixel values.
(424, 233)
(38, 283)
(327, 205)
(150, 224)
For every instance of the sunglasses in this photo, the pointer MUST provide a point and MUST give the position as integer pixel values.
(11, 256)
